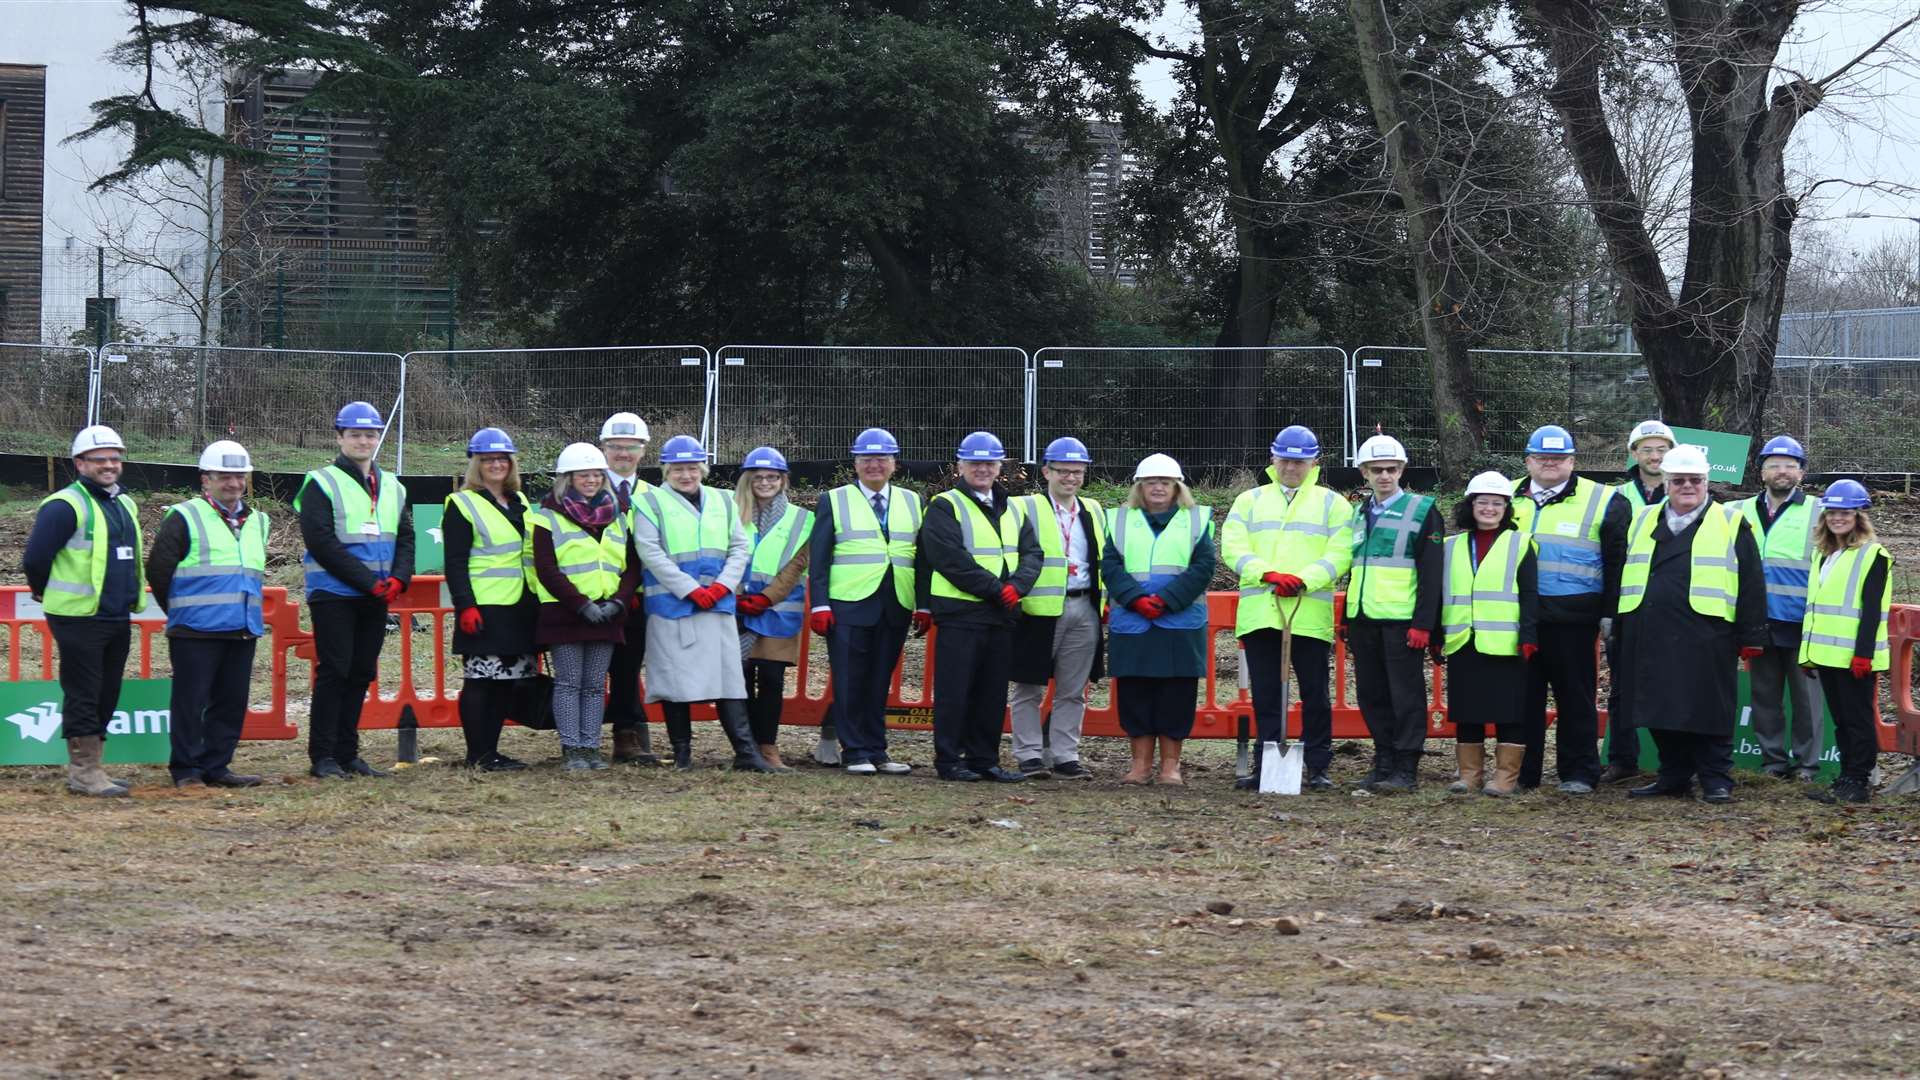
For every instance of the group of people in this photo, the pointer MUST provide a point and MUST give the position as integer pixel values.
(1535, 577)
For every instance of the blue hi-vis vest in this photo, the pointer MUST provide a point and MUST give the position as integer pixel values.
(217, 587)
(367, 532)
(696, 541)
(1787, 551)
(1155, 560)
(1567, 534)
(773, 550)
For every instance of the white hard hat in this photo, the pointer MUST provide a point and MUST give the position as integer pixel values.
(97, 437)
(624, 425)
(1381, 448)
(225, 456)
(1651, 429)
(1686, 461)
(1489, 483)
(1158, 466)
(580, 457)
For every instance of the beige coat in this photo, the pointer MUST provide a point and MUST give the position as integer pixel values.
(791, 576)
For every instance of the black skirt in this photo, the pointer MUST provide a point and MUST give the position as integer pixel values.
(1152, 707)
(1482, 689)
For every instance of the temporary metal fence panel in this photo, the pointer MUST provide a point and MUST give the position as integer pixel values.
(811, 400)
(44, 390)
(168, 401)
(1208, 408)
(547, 398)
(1855, 414)
(1598, 396)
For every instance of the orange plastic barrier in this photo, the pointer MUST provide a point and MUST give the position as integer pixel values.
(1902, 734)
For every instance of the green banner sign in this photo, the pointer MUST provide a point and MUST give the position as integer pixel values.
(429, 548)
(137, 734)
(1726, 453)
(1746, 745)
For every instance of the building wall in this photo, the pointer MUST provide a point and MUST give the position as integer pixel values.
(23, 136)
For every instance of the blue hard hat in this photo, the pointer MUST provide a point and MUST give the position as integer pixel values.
(1550, 439)
(358, 416)
(874, 440)
(1068, 448)
(1297, 443)
(682, 449)
(1787, 446)
(981, 446)
(490, 440)
(1845, 495)
(765, 457)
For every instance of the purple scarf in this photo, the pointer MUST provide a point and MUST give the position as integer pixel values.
(595, 513)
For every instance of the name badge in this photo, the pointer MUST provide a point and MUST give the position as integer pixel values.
(1567, 528)
(371, 528)
(123, 552)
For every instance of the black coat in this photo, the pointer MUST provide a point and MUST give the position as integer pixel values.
(941, 549)
(1033, 635)
(880, 609)
(506, 630)
(1677, 669)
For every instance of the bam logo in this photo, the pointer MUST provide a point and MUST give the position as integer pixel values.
(37, 722)
(141, 722)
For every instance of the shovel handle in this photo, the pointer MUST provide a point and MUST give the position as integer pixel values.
(1286, 662)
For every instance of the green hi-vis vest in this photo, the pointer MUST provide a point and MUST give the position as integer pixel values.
(79, 569)
(1383, 585)
(1309, 537)
(861, 554)
(1049, 595)
(997, 552)
(592, 566)
(1832, 623)
(1482, 604)
(497, 564)
(1630, 491)
(1714, 586)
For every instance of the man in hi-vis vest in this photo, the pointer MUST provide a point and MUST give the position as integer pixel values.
(83, 566)
(978, 558)
(860, 578)
(358, 532)
(1783, 518)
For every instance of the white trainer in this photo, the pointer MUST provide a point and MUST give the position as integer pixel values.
(865, 768)
(895, 768)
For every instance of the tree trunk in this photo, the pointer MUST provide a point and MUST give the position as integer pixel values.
(1460, 416)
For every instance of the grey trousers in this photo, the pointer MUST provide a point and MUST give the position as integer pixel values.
(1774, 674)
(1075, 638)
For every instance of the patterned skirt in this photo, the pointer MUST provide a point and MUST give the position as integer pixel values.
(497, 667)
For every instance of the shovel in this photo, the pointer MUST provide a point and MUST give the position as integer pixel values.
(1282, 762)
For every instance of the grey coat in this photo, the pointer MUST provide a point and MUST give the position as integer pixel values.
(696, 658)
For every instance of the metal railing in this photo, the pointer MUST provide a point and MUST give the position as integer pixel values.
(1855, 414)
(44, 395)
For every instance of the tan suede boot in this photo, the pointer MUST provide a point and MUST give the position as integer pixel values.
(1473, 767)
(1506, 769)
(84, 774)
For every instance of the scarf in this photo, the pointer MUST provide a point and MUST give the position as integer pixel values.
(595, 513)
(765, 517)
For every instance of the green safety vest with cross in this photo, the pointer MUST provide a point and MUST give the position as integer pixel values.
(1384, 585)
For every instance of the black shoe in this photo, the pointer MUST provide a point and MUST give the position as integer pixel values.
(961, 774)
(754, 763)
(1035, 769)
(328, 769)
(1318, 780)
(501, 763)
(188, 782)
(1662, 787)
(1779, 770)
(1718, 795)
(1071, 770)
(1250, 782)
(359, 767)
(1843, 790)
(1614, 774)
(1003, 776)
(233, 779)
(683, 756)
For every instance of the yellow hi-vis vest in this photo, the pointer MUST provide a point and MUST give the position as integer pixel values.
(79, 568)
(1832, 622)
(1714, 585)
(772, 551)
(1482, 604)
(592, 566)
(861, 554)
(1310, 538)
(997, 551)
(1384, 584)
(696, 540)
(497, 566)
(1153, 560)
(1049, 595)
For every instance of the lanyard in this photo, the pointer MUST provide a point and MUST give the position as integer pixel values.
(1066, 522)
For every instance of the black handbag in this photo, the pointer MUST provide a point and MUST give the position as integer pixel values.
(532, 705)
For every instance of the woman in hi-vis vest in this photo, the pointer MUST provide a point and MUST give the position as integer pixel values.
(1843, 635)
(583, 570)
(1490, 629)
(773, 596)
(484, 530)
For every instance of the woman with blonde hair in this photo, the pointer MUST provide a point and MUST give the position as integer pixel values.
(1843, 636)
(1157, 563)
(483, 530)
(772, 599)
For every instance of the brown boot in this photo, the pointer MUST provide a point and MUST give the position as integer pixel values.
(772, 753)
(1506, 769)
(1473, 767)
(84, 774)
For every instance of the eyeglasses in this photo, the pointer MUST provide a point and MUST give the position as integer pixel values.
(1686, 481)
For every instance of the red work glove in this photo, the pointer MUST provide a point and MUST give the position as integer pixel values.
(754, 604)
(1528, 650)
(1861, 667)
(387, 590)
(820, 622)
(1749, 652)
(1148, 607)
(1284, 584)
(922, 622)
(702, 597)
(1417, 638)
(1009, 596)
(719, 592)
(470, 620)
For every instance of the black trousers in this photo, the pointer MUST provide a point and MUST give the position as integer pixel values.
(766, 685)
(1855, 714)
(1390, 681)
(1685, 755)
(970, 696)
(93, 661)
(1567, 663)
(1157, 707)
(347, 637)
(1623, 739)
(863, 658)
(1312, 662)
(211, 678)
(624, 708)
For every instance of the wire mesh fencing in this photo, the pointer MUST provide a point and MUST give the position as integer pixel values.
(43, 396)
(1855, 414)
(1211, 409)
(169, 401)
(547, 398)
(809, 401)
